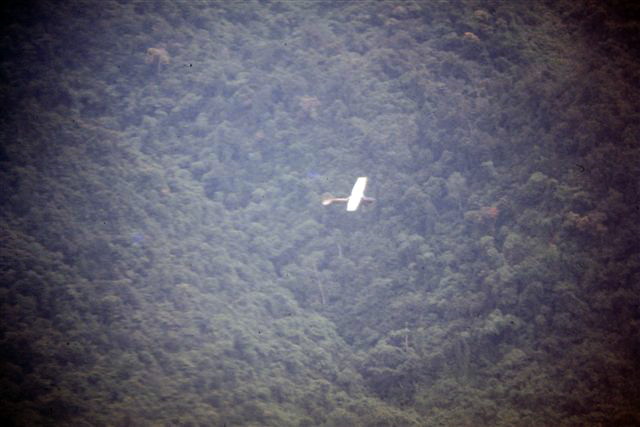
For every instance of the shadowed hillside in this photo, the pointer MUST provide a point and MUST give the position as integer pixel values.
(165, 258)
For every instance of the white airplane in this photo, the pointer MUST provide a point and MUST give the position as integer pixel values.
(353, 201)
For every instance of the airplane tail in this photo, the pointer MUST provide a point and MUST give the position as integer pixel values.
(327, 199)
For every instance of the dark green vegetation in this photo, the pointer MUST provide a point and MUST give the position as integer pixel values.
(165, 259)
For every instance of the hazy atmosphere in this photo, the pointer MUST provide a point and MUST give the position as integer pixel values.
(166, 258)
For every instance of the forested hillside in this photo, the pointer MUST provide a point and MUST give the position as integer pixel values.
(165, 258)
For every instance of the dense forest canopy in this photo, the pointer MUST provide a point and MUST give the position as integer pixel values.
(165, 259)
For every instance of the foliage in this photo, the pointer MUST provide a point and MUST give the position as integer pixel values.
(165, 259)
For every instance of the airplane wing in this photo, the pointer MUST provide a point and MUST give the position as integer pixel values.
(357, 193)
